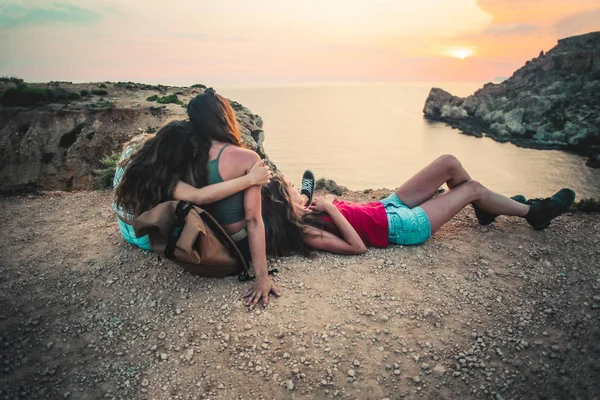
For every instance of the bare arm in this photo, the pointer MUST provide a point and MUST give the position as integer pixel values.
(258, 174)
(262, 286)
(349, 242)
(256, 230)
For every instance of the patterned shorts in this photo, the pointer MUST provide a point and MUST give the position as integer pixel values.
(406, 226)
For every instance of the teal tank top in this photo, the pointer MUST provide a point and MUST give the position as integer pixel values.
(231, 209)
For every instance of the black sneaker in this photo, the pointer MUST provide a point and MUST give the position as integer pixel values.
(308, 186)
(486, 218)
(545, 210)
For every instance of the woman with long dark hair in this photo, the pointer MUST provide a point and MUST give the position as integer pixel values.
(408, 216)
(153, 170)
(220, 157)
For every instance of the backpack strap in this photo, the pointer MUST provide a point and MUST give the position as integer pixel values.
(181, 211)
(228, 241)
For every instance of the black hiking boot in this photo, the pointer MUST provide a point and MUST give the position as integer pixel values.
(486, 218)
(543, 211)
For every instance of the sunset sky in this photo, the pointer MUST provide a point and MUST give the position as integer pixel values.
(268, 41)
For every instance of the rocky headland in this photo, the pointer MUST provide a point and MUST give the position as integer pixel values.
(552, 102)
(53, 136)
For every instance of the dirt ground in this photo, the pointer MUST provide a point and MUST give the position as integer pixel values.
(498, 312)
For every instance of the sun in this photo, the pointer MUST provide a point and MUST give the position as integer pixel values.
(459, 52)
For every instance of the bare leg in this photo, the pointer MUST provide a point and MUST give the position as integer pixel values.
(443, 208)
(304, 200)
(423, 186)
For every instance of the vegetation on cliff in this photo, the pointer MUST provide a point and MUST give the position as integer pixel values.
(170, 99)
(23, 95)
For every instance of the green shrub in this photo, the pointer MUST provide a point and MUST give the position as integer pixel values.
(170, 99)
(102, 86)
(331, 186)
(58, 83)
(105, 175)
(11, 79)
(63, 95)
(158, 88)
(199, 85)
(26, 96)
(130, 85)
(99, 92)
(588, 205)
(105, 104)
(84, 93)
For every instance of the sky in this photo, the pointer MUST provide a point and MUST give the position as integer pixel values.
(183, 42)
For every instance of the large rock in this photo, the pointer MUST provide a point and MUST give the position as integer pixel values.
(58, 146)
(552, 102)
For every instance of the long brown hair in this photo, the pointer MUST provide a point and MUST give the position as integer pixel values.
(212, 118)
(285, 226)
(152, 172)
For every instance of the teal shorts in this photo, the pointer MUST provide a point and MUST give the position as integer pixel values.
(406, 226)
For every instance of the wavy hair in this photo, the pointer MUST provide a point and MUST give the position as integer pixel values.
(285, 225)
(212, 118)
(152, 171)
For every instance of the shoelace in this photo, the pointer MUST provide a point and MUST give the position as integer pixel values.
(531, 201)
(307, 184)
(551, 205)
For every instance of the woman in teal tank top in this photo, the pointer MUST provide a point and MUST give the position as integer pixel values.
(220, 157)
(203, 151)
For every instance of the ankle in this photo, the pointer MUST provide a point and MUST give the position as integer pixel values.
(304, 199)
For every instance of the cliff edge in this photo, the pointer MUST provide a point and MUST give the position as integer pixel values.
(54, 135)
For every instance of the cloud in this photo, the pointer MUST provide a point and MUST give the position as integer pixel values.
(511, 29)
(579, 23)
(191, 35)
(13, 15)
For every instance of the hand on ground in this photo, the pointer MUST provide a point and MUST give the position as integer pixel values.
(260, 290)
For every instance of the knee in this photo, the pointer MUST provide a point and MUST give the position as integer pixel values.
(477, 190)
(449, 162)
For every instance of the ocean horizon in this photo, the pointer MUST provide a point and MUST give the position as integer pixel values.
(369, 135)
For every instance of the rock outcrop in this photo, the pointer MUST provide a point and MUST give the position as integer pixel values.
(552, 102)
(58, 146)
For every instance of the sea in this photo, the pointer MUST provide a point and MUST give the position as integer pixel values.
(374, 135)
